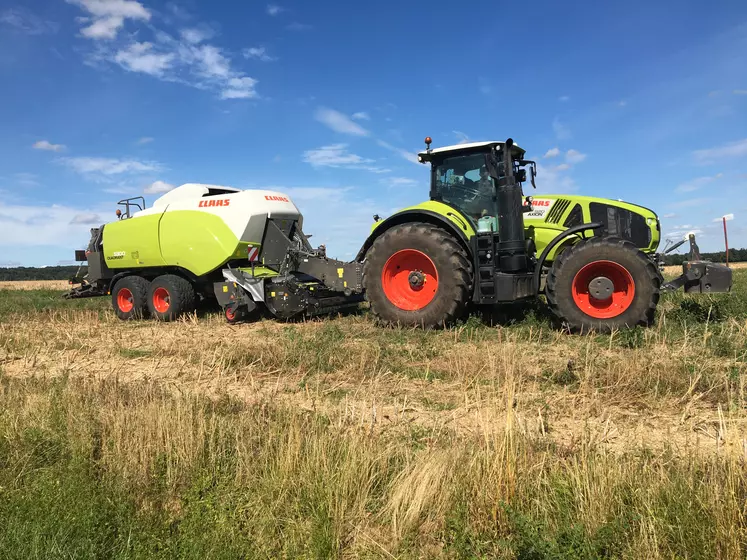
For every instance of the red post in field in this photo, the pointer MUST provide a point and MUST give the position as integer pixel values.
(726, 242)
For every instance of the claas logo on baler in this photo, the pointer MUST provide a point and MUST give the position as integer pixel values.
(208, 203)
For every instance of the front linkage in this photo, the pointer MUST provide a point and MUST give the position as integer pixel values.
(698, 275)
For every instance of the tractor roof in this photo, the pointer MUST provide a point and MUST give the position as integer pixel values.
(466, 148)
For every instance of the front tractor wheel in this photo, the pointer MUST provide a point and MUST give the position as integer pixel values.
(170, 296)
(603, 284)
(417, 275)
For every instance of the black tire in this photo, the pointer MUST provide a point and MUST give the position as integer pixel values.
(646, 283)
(130, 298)
(452, 267)
(170, 296)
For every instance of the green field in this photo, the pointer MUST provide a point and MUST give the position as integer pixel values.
(498, 438)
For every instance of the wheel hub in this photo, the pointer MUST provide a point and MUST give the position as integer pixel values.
(409, 279)
(601, 288)
(416, 279)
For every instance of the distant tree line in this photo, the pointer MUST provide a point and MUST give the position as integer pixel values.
(33, 273)
(735, 255)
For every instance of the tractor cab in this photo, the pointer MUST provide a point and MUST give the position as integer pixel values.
(466, 176)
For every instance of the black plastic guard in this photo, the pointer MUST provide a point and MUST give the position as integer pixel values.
(702, 278)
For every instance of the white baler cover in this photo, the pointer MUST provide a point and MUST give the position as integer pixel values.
(189, 191)
(235, 207)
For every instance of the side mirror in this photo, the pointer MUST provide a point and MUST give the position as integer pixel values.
(521, 175)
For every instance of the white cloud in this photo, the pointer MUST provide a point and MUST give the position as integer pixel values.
(186, 59)
(669, 216)
(145, 140)
(552, 152)
(27, 22)
(574, 156)
(721, 219)
(50, 226)
(553, 180)
(336, 155)
(564, 98)
(339, 122)
(195, 36)
(240, 88)
(259, 53)
(622, 103)
(158, 187)
(563, 167)
(87, 218)
(698, 183)
(274, 9)
(46, 145)
(409, 156)
(688, 203)
(108, 167)
(461, 137)
(139, 57)
(361, 116)
(109, 16)
(562, 132)
(26, 179)
(732, 150)
(740, 92)
(400, 181)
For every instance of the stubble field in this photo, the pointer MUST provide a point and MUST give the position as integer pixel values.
(498, 438)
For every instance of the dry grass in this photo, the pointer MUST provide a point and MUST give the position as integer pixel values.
(60, 285)
(336, 438)
(662, 391)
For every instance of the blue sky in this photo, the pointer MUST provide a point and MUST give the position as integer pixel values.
(103, 99)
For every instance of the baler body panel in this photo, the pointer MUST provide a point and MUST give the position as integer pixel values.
(198, 234)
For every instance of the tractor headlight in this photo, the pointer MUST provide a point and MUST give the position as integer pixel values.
(650, 221)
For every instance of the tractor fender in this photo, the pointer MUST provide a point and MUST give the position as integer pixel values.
(422, 215)
(564, 235)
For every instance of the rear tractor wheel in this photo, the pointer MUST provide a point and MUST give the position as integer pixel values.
(603, 284)
(170, 296)
(130, 298)
(417, 274)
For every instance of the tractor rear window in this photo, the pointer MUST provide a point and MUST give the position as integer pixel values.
(622, 223)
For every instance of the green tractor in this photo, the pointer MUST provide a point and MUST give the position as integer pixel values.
(480, 241)
(477, 241)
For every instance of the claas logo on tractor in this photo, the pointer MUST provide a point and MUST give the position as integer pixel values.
(276, 198)
(208, 203)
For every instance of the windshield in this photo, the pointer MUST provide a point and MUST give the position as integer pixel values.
(464, 182)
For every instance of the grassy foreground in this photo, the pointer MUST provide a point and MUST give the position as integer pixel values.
(338, 439)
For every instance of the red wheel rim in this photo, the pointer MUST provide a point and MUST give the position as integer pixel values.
(618, 301)
(161, 300)
(409, 279)
(230, 314)
(125, 300)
